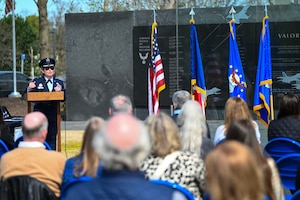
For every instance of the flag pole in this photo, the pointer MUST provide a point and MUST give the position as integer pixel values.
(271, 96)
(14, 93)
(192, 21)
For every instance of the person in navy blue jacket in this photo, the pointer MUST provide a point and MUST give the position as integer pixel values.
(47, 83)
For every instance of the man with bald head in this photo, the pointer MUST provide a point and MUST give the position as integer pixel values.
(122, 143)
(31, 158)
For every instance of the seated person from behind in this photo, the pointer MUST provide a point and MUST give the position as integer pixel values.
(178, 99)
(193, 129)
(287, 123)
(122, 143)
(235, 108)
(31, 158)
(87, 161)
(233, 173)
(120, 103)
(183, 167)
(242, 131)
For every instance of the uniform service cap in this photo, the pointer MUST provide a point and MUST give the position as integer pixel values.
(47, 62)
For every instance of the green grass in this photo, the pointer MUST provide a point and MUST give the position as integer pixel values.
(71, 142)
(71, 148)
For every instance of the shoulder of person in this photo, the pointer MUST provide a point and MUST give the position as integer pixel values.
(38, 79)
(220, 129)
(59, 155)
(57, 79)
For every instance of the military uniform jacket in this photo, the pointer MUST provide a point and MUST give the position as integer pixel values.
(49, 108)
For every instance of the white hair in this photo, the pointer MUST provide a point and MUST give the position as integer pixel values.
(114, 158)
(192, 126)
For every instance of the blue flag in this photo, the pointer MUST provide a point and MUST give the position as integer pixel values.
(197, 73)
(236, 77)
(263, 85)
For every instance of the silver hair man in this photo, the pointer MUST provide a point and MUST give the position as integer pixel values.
(120, 103)
(179, 98)
(122, 143)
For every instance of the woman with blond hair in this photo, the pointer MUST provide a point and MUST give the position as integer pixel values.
(87, 161)
(235, 108)
(166, 160)
(233, 173)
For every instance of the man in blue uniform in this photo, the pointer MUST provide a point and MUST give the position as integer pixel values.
(47, 83)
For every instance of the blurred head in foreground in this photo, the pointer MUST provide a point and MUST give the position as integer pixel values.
(122, 143)
(233, 173)
(89, 164)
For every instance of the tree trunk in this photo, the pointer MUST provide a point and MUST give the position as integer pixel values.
(44, 29)
(105, 8)
(169, 4)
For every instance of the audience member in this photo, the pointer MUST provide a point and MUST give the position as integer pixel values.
(178, 99)
(287, 123)
(166, 160)
(31, 158)
(120, 103)
(235, 108)
(122, 143)
(87, 161)
(193, 129)
(48, 83)
(233, 173)
(243, 131)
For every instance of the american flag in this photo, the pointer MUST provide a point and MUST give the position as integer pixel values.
(8, 6)
(156, 78)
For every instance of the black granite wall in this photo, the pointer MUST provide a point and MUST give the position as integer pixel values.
(100, 51)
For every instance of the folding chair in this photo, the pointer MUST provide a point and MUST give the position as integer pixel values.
(287, 167)
(176, 186)
(3, 148)
(296, 195)
(25, 187)
(279, 147)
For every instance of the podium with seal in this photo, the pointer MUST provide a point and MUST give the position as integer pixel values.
(48, 96)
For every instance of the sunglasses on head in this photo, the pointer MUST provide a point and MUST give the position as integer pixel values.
(47, 68)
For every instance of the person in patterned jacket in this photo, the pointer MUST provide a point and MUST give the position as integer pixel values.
(184, 167)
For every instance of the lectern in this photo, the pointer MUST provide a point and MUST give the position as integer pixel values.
(48, 96)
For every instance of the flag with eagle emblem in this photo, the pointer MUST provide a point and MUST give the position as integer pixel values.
(236, 77)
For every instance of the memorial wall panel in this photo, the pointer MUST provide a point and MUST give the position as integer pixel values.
(108, 53)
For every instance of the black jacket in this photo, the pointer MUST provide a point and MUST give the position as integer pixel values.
(25, 188)
(288, 127)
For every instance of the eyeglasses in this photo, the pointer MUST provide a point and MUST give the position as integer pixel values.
(47, 68)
